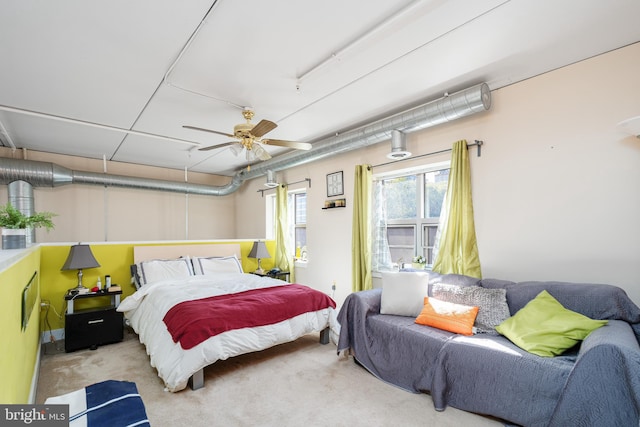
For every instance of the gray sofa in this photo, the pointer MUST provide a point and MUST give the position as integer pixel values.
(596, 383)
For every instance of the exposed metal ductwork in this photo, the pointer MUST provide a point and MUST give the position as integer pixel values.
(45, 174)
(20, 194)
(451, 107)
(398, 146)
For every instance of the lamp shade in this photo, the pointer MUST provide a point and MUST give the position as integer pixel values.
(259, 250)
(80, 256)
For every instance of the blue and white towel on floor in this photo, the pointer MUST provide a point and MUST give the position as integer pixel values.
(106, 404)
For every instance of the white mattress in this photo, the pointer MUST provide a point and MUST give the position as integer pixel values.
(146, 308)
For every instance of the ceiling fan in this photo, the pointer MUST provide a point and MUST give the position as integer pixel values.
(249, 137)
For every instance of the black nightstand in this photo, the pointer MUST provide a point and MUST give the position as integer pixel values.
(282, 275)
(90, 328)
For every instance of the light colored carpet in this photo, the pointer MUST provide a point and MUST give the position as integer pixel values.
(296, 384)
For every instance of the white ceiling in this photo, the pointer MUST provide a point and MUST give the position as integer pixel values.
(315, 68)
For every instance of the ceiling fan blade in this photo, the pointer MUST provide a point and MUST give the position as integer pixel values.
(212, 147)
(208, 130)
(290, 144)
(262, 128)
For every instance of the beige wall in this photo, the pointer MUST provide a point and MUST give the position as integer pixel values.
(91, 213)
(556, 191)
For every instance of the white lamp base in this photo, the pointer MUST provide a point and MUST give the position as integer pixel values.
(259, 270)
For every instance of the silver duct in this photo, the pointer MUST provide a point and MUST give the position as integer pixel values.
(271, 180)
(398, 146)
(451, 107)
(44, 174)
(20, 195)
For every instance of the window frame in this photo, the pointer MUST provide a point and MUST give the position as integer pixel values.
(270, 202)
(297, 225)
(420, 223)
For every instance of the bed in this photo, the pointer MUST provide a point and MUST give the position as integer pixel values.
(194, 305)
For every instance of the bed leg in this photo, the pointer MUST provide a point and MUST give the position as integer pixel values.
(324, 336)
(197, 380)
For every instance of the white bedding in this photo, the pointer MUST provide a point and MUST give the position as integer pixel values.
(146, 308)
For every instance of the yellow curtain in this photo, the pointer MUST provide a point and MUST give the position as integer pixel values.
(283, 260)
(361, 234)
(457, 250)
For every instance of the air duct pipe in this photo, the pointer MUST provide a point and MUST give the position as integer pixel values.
(20, 195)
(271, 180)
(44, 174)
(451, 107)
(398, 146)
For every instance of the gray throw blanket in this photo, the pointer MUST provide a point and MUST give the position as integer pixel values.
(596, 383)
(593, 300)
(603, 389)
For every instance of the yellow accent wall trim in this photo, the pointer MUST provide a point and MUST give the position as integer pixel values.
(115, 259)
(19, 357)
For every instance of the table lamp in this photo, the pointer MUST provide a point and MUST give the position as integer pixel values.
(80, 257)
(259, 250)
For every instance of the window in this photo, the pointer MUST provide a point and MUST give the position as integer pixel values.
(411, 202)
(299, 210)
(297, 219)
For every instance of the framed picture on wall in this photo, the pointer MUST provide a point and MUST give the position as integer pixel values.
(334, 184)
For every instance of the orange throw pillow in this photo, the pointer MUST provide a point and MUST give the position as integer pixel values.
(448, 316)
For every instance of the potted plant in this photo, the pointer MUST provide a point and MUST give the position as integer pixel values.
(15, 224)
(418, 262)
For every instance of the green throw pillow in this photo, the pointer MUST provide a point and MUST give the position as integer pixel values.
(544, 327)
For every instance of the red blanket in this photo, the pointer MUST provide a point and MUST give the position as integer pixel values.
(192, 322)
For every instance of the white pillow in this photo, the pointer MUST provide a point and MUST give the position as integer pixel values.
(213, 265)
(403, 293)
(164, 269)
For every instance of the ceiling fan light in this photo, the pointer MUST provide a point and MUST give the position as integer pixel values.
(236, 148)
(398, 146)
(260, 152)
(265, 156)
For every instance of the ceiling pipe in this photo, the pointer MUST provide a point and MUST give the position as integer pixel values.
(446, 109)
(45, 174)
(271, 180)
(20, 195)
(451, 107)
(398, 146)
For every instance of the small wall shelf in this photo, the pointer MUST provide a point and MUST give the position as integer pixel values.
(336, 203)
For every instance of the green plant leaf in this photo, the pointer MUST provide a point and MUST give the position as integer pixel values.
(12, 218)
